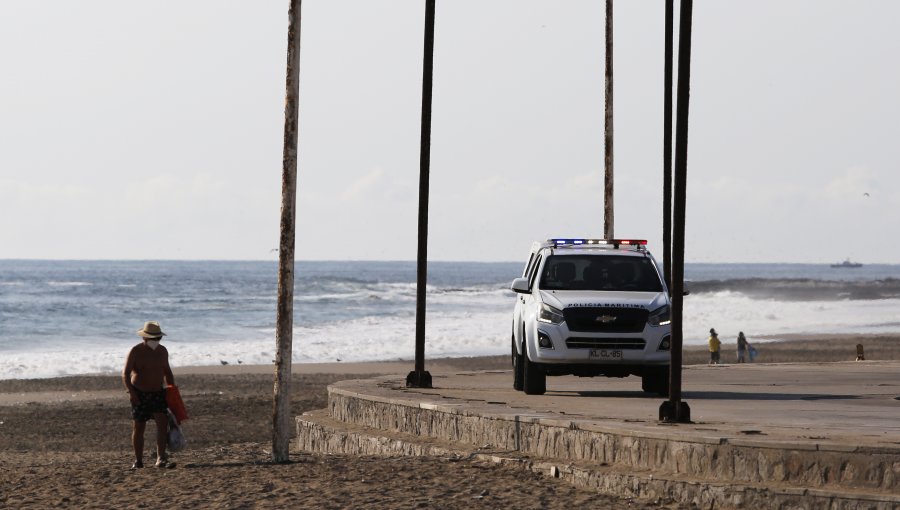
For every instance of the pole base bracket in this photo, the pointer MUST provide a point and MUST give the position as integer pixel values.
(418, 379)
(673, 411)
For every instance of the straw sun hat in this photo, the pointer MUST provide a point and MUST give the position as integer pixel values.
(151, 330)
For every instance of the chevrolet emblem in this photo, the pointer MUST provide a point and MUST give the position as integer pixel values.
(605, 319)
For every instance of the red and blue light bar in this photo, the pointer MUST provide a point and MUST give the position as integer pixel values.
(586, 242)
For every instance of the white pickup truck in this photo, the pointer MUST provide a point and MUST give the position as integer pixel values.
(591, 307)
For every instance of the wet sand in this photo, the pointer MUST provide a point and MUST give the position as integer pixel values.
(65, 442)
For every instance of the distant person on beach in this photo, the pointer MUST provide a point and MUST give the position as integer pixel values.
(714, 345)
(146, 368)
(741, 347)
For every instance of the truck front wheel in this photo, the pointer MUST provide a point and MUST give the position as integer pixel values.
(656, 380)
(518, 368)
(535, 380)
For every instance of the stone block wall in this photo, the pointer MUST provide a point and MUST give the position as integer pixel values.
(712, 459)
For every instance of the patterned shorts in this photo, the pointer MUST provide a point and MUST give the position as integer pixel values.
(150, 402)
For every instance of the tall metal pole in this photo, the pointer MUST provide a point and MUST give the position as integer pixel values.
(675, 410)
(608, 205)
(281, 415)
(420, 378)
(667, 145)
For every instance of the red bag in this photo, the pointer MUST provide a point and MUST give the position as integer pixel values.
(176, 405)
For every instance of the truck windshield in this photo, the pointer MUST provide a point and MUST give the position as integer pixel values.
(600, 272)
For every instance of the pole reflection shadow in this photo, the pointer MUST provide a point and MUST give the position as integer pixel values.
(704, 395)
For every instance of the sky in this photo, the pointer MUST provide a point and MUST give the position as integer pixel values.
(153, 130)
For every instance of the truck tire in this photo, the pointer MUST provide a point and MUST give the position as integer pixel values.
(534, 380)
(518, 368)
(656, 380)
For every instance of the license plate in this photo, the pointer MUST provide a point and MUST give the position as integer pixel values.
(606, 354)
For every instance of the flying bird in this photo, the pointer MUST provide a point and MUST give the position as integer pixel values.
(865, 194)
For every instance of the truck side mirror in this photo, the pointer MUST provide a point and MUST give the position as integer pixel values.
(519, 285)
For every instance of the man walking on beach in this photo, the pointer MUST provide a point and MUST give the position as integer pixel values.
(145, 370)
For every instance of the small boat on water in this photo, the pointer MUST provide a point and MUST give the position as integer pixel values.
(846, 264)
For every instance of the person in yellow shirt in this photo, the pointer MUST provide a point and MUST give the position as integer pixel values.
(714, 345)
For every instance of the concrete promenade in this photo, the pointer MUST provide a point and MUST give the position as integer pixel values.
(817, 435)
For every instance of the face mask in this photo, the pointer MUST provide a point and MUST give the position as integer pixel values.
(153, 344)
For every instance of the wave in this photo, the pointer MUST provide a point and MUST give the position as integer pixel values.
(365, 311)
(366, 338)
(731, 312)
(802, 289)
(480, 327)
(329, 279)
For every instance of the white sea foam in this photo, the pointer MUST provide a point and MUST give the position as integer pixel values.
(364, 339)
(731, 312)
(454, 333)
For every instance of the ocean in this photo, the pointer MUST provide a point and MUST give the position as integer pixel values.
(75, 317)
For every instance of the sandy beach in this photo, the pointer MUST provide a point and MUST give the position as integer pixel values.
(65, 442)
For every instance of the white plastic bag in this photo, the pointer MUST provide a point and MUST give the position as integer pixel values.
(177, 441)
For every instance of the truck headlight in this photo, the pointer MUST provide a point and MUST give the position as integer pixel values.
(662, 316)
(550, 315)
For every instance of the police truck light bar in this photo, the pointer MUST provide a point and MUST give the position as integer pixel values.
(614, 242)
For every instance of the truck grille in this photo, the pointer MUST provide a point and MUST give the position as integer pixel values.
(578, 342)
(606, 319)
